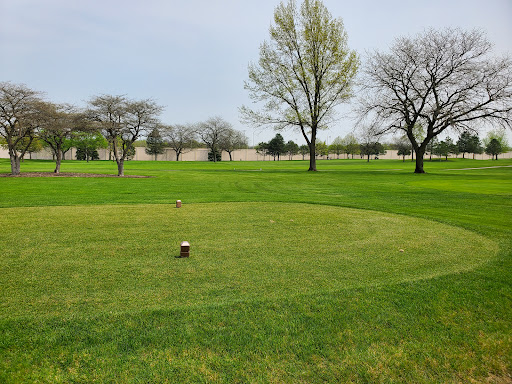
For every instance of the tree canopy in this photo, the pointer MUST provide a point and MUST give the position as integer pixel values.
(441, 79)
(304, 72)
(122, 121)
(19, 120)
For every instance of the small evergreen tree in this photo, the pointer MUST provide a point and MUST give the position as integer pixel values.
(155, 144)
(218, 156)
(494, 148)
(476, 145)
(464, 143)
(276, 146)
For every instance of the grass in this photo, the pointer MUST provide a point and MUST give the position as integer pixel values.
(294, 276)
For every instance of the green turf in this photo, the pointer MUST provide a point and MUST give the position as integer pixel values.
(294, 276)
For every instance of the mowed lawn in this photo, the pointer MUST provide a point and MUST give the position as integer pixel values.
(358, 273)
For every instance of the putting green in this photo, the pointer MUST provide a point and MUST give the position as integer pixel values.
(94, 259)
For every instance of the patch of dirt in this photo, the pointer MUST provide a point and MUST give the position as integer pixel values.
(68, 174)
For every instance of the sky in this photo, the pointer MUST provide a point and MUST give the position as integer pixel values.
(192, 56)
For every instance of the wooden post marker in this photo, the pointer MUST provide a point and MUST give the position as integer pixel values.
(178, 203)
(185, 249)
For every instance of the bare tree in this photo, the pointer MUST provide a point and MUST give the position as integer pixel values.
(19, 119)
(439, 79)
(304, 72)
(179, 137)
(233, 140)
(60, 122)
(122, 121)
(212, 132)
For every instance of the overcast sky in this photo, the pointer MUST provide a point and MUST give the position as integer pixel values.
(192, 56)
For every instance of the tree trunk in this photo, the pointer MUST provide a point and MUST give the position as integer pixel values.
(57, 162)
(120, 167)
(15, 165)
(312, 157)
(419, 161)
(230, 159)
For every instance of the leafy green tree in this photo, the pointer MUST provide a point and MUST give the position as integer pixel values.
(443, 148)
(155, 144)
(28, 145)
(369, 149)
(87, 145)
(276, 146)
(465, 143)
(304, 150)
(337, 146)
(454, 148)
(321, 149)
(262, 149)
(431, 146)
(403, 147)
(214, 156)
(67, 144)
(494, 148)
(304, 72)
(476, 145)
(291, 148)
(36, 145)
(351, 145)
(500, 136)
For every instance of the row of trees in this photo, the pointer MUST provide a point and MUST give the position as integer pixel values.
(493, 144)
(366, 146)
(215, 133)
(348, 145)
(116, 122)
(25, 117)
(440, 80)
